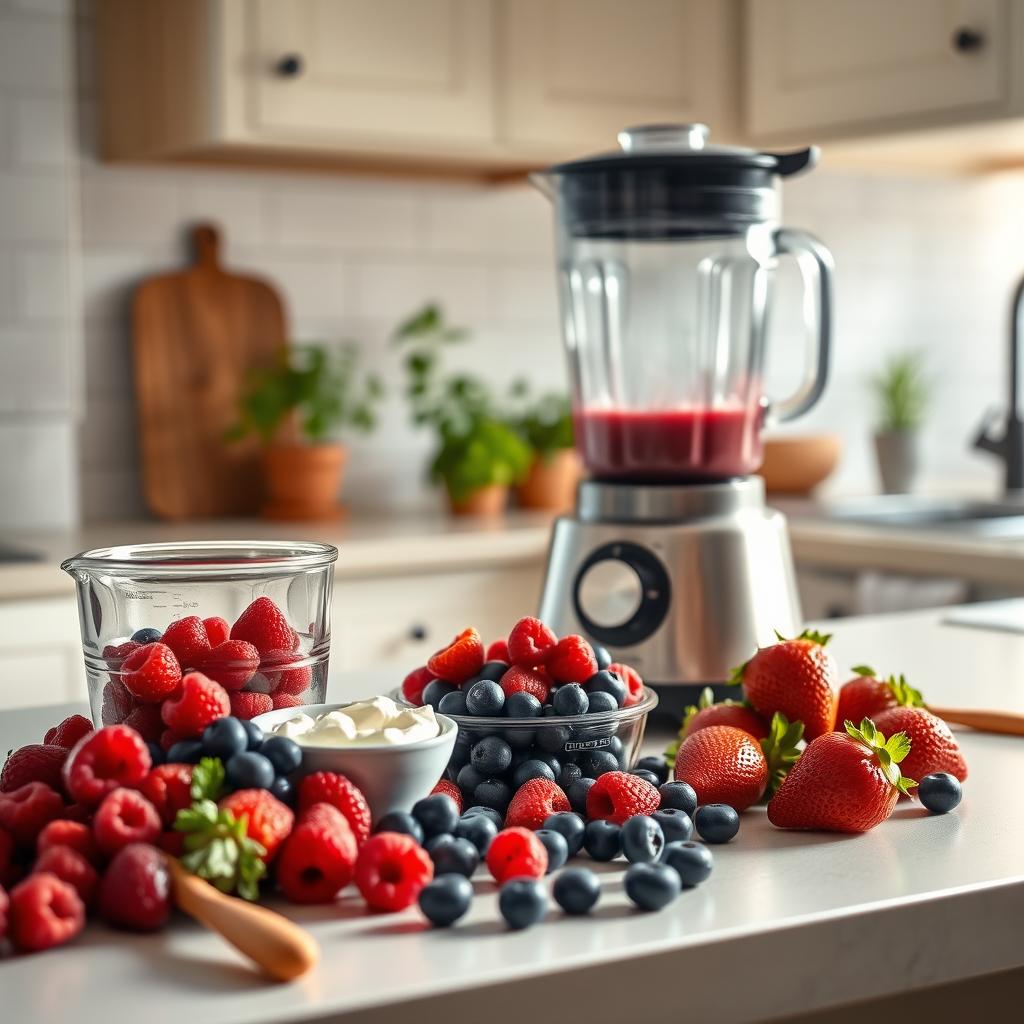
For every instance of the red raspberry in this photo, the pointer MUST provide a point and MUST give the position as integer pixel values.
(200, 702)
(617, 796)
(76, 812)
(534, 801)
(124, 817)
(528, 680)
(117, 703)
(287, 700)
(188, 640)
(232, 664)
(114, 654)
(26, 810)
(497, 650)
(530, 642)
(146, 721)
(151, 673)
(415, 683)
(10, 869)
(172, 843)
(100, 762)
(168, 787)
(135, 891)
(516, 853)
(217, 630)
(44, 912)
(291, 679)
(269, 821)
(571, 660)
(248, 705)
(68, 732)
(319, 857)
(392, 871)
(264, 626)
(35, 763)
(634, 684)
(460, 660)
(75, 835)
(4, 904)
(71, 867)
(342, 794)
(448, 788)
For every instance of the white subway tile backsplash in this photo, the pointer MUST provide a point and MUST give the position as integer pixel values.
(41, 131)
(110, 275)
(33, 207)
(36, 375)
(239, 210)
(33, 54)
(393, 291)
(40, 472)
(42, 285)
(125, 207)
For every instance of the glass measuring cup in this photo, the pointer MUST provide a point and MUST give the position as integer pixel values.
(122, 590)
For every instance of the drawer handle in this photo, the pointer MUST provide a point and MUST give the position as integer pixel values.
(417, 632)
(967, 40)
(289, 66)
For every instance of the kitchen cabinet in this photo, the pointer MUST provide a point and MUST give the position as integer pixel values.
(40, 653)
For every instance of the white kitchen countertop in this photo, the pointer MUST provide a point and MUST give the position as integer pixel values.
(788, 922)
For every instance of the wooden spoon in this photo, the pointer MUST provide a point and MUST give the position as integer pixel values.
(279, 946)
(1008, 723)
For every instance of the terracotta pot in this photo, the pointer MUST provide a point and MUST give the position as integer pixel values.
(797, 464)
(551, 483)
(487, 501)
(302, 481)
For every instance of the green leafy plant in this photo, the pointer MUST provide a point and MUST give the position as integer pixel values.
(545, 423)
(312, 389)
(901, 392)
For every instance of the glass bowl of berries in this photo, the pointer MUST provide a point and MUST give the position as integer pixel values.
(177, 635)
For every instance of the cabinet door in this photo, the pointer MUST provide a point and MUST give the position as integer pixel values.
(574, 72)
(379, 69)
(847, 65)
(40, 653)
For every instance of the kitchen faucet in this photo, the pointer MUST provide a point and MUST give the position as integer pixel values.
(1010, 445)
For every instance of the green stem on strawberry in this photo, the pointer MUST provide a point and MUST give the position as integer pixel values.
(781, 750)
(218, 849)
(889, 752)
(208, 780)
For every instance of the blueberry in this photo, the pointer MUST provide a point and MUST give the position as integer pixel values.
(602, 840)
(604, 659)
(400, 821)
(283, 789)
(253, 733)
(156, 753)
(519, 739)
(570, 699)
(594, 763)
(148, 635)
(456, 857)
(557, 847)
(642, 773)
(571, 826)
(436, 814)
(492, 670)
(486, 699)
(676, 824)
(249, 770)
(522, 705)
(656, 765)
(284, 754)
(550, 760)
(185, 752)
(478, 829)
(532, 769)
(679, 795)
(224, 738)
(577, 794)
(577, 890)
(453, 703)
(600, 702)
(569, 774)
(460, 753)
(436, 842)
(553, 738)
(469, 778)
(493, 793)
(487, 812)
(615, 748)
(435, 690)
(445, 899)
(716, 823)
(652, 886)
(692, 862)
(491, 755)
(642, 839)
(939, 792)
(610, 683)
(522, 902)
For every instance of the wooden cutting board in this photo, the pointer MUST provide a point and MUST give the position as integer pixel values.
(196, 335)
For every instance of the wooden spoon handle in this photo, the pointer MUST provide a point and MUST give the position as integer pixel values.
(279, 946)
(1009, 723)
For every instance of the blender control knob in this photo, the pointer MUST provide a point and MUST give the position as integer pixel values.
(610, 593)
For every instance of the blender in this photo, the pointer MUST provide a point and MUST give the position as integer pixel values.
(666, 252)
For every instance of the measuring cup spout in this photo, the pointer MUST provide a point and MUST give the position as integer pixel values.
(73, 567)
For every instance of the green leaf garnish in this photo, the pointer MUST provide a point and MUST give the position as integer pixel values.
(781, 750)
(808, 634)
(218, 849)
(865, 670)
(906, 696)
(208, 779)
(889, 752)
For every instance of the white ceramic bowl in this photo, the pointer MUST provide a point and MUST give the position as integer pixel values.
(392, 778)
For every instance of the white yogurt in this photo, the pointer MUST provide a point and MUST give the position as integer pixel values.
(376, 721)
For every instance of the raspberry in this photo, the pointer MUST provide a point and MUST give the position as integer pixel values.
(37, 762)
(151, 673)
(200, 702)
(516, 853)
(114, 654)
(135, 891)
(460, 660)
(68, 732)
(528, 680)
(26, 810)
(293, 679)
(217, 630)
(100, 762)
(71, 867)
(449, 788)
(188, 640)
(342, 794)
(249, 705)
(146, 721)
(232, 664)
(530, 642)
(534, 801)
(287, 700)
(616, 796)
(168, 787)
(124, 817)
(269, 821)
(415, 683)
(497, 650)
(264, 626)
(392, 870)
(75, 835)
(44, 912)
(319, 857)
(571, 660)
(4, 904)
(76, 812)
(10, 869)
(173, 843)
(117, 703)
(634, 684)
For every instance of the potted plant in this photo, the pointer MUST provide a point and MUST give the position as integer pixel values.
(546, 426)
(478, 456)
(901, 395)
(298, 407)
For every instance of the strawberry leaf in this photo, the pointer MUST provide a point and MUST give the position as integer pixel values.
(208, 780)
(906, 696)
(864, 670)
(736, 675)
(218, 849)
(888, 753)
(781, 750)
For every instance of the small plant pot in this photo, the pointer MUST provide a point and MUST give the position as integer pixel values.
(551, 482)
(302, 481)
(899, 460)
(486, 502)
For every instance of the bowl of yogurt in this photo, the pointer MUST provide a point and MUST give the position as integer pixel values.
(394, 753)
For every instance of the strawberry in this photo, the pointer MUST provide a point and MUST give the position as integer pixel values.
(844, 781)
(188, 640)
(199, 702)
(264, 626)
(634, 684)
(724, 765)
(460, 660)
(37, 762)
(117, 703)
(288, 675)
(267, 820)
(534, 801)
(933, 747)
(68, 732)
(866, 696)
(286, 700)
(340, 792)
(232, 663)
(448, 788)
(217, 630)
(415, 683)
(571, 660)
(530, 642)
(727, 712)
(796, 677)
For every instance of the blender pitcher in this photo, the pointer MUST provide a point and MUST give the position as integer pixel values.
(666, 252)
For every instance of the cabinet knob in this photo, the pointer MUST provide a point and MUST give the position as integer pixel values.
(967, 40)
(417, 632)
(289, 66)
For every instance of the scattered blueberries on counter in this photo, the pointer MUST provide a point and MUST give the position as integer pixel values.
(676, 824)
(556, 846)
(445, 899)
(452, 855)
(652, 886)
(490, 813)
(577, 890)
(602, 840)
(940, 792)
(571, 826)
(523, 902)
(679, 795)
(642, 773)
(577, 794)
(437, 814)
(692, 862)
(479, 829)
(642, 839)
(655, 765)
(400, 821)
(716, 823)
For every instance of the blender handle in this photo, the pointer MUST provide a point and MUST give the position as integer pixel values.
(798, 243)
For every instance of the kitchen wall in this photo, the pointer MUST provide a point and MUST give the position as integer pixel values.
(923, 263)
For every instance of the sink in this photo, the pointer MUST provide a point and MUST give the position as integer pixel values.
(10, 555)
(952, 515)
